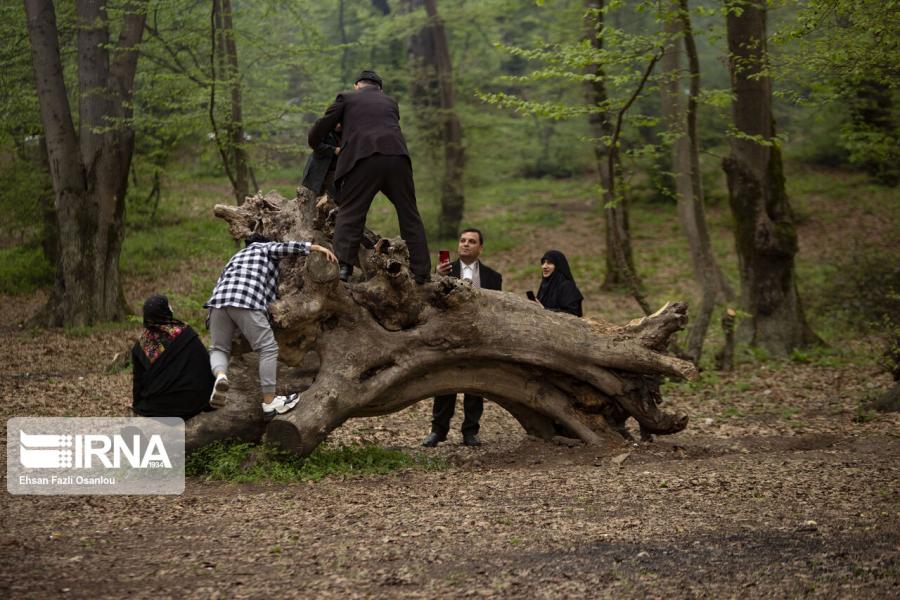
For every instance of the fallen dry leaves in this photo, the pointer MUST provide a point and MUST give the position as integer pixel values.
(773, 490)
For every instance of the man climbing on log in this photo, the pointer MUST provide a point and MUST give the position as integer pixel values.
(240, 300)
(466, 266)
(373, 158)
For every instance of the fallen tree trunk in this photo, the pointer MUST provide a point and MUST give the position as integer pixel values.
(379, 344)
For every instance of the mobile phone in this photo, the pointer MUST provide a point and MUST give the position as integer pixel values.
(443, 256)
(530, 295)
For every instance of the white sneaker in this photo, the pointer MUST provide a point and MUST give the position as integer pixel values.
(289, 403)
(276, 402)
(220, 387)
(281, 404)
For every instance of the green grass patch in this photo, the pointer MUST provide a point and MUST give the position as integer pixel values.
(708, 379)
(733, 412)
(156, 251)
(788, 412)
(245, 463)
(84, 331)
(509, 210)
(24, 269)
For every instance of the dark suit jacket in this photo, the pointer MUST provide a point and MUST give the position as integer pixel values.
(371, 125)
(490, 279)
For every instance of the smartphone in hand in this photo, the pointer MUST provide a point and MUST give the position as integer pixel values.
(530, 295)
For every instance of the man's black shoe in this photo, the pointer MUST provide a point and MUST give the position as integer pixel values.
(470, 439)
(433, 440)
(346, 271)
(421, 279)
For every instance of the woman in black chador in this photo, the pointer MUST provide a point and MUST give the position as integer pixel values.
(558, 290)
(170, 365)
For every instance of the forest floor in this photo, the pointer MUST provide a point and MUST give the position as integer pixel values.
(782, 485)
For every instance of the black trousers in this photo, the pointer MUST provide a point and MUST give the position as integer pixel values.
(392, 175)
(445, 406)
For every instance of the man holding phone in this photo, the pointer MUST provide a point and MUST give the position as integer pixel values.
(467, 266)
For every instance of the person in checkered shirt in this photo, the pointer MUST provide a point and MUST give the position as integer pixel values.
(240, 300)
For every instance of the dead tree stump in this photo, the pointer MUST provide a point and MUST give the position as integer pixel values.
(381, 343)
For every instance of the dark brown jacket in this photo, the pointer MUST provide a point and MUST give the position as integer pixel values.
(371, 125)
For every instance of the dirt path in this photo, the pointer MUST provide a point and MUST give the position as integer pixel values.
(777, 489)
(816, 516)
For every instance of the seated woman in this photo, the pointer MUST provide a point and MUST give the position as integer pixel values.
(170, 365)
(558, 290)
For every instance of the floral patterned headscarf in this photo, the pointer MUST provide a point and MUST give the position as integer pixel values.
(160, 327)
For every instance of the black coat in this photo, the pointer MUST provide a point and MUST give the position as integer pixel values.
(370, 125)
(490, 279)
(320, 162)
(177, 384)
(559, 291)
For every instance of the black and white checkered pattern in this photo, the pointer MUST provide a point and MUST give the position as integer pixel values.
(250, 279)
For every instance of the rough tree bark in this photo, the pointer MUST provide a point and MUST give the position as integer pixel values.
(224, 66)
(452, 195)
(681, 123)
(765, 235)
(616, 214)
(432, 93)
(89, 169)
(377, 346)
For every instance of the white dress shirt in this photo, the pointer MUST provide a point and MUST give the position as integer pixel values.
(470, 272)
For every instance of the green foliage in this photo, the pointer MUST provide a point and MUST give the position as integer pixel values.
(171, 248)
(874, 148)
(861, 290)
(277, 58)
(24, 269)
(243, 462)
(24, 182)
(294, 59)
(24, 187)
(632, 38)
(841, 57)
(154, 252)
(843, 40)
(863, 414)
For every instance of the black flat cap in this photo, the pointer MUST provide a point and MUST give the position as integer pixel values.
(370, 76)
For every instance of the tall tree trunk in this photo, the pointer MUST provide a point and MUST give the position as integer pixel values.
(681, 122)
(424, 92)
(601, 127)
(89, 170)
(225, 69)
(765, 235)
(342, 29)
(452, 194)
